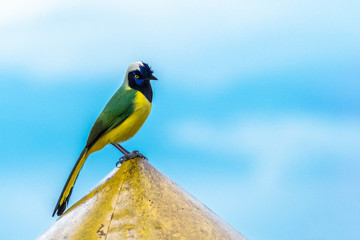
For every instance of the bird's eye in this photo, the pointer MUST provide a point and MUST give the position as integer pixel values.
(136, 76)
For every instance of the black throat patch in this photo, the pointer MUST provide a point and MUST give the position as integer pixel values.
(144, 88)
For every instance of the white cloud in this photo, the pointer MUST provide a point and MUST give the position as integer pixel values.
(59, 38)
(18, 11)
(276, 145)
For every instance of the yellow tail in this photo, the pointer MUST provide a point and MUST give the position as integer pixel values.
(66, 192)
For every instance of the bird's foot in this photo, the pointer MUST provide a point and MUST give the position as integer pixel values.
(129, 156)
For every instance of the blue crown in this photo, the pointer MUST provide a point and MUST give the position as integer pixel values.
(146, 70)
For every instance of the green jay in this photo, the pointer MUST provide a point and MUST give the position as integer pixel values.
(120, 120)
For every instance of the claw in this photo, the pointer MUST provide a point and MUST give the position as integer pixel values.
(121, 160)
(132, 155)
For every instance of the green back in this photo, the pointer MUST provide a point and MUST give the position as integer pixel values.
(120, 106)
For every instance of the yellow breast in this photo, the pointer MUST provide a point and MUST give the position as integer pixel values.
(129, 127)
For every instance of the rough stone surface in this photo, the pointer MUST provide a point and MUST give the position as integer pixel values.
(136, 201)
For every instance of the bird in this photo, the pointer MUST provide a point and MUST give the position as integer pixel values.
(119, 121)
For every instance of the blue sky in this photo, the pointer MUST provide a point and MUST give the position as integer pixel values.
(256, 112)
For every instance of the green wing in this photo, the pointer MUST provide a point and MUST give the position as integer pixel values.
(120, 106)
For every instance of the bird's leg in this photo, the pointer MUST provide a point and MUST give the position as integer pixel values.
(121, 149)
(127, 154)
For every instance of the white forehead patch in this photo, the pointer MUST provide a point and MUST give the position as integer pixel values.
(134, 66)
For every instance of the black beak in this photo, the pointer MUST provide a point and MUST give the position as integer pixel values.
(152, 77)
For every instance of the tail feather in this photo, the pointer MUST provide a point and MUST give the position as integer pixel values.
(67, 190)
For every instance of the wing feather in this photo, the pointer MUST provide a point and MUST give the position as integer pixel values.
(120, 106)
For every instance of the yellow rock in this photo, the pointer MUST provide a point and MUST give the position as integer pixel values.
(136, 201)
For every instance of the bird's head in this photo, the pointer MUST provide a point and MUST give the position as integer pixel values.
(138, 75)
